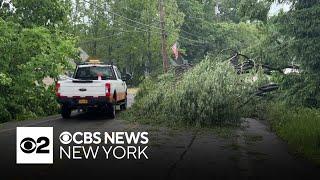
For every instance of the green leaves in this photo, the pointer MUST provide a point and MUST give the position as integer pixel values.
(5, 80)
(293, 38)
(28, 55)
(254, 10)
(32, 13)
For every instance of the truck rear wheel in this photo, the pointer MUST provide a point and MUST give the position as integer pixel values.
(65, 112)
(124, 105)
(111, 108)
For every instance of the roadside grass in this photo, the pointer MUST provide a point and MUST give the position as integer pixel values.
(300, 127)
(133, 90)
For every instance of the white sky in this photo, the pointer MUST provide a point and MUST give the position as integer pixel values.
(276, 8)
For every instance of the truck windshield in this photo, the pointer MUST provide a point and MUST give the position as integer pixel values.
(93, 72)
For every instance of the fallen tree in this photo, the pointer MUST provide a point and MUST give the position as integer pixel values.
(211, 93)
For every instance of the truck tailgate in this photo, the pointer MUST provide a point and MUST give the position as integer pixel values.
(93, 88)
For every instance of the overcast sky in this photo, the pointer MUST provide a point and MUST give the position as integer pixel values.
(276, 7)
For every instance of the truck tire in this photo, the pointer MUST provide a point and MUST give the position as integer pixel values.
(124, 105)
(111, 108)
(65, 112)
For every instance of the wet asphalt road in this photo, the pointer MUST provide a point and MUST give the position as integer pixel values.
(250, 152)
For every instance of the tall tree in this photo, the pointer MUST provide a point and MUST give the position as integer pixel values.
(28, 55)
(126, 32)
(211, 26)
(254, 10)
(31, 13)
(301, 28)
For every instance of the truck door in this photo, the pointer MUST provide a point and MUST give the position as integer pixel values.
(120, 87)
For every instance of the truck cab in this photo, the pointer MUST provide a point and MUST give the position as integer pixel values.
(93, 85)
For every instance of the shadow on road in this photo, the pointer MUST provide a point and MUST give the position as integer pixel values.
(89, 116)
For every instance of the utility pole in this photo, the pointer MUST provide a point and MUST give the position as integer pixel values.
(149, 53)
(95, 29)
(163, 37)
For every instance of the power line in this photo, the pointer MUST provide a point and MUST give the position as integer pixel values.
(160, 21)
(138, 22)
(133, 10)
(195, 41)
(104, 37)
(99, 38)
(120, 22)
(141, 29)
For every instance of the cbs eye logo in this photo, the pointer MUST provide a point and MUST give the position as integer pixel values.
(65, 137)
(29, 145)
(34, 145)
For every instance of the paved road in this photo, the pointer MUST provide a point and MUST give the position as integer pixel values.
(250, 152)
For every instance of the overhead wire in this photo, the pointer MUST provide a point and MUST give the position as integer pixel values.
(124, 17)
(138, 22)
(133, 10)
(104, 37)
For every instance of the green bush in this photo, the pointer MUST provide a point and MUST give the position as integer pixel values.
(299, 126)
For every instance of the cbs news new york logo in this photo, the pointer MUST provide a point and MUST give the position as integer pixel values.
(34, 145)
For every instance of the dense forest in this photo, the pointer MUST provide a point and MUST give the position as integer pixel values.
(39, 39)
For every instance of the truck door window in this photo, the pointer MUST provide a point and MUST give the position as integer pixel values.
(118, 73)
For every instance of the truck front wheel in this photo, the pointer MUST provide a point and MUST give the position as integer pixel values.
(65, 112)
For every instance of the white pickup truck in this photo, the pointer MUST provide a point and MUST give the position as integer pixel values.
(93, 86)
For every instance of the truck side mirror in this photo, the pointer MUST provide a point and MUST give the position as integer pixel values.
(69, 74)
(126, 77)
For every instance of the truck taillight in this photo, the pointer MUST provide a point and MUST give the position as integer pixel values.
(108, 89)
(58, 89)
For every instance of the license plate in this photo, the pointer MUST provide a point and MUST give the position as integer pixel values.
(83, 101)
